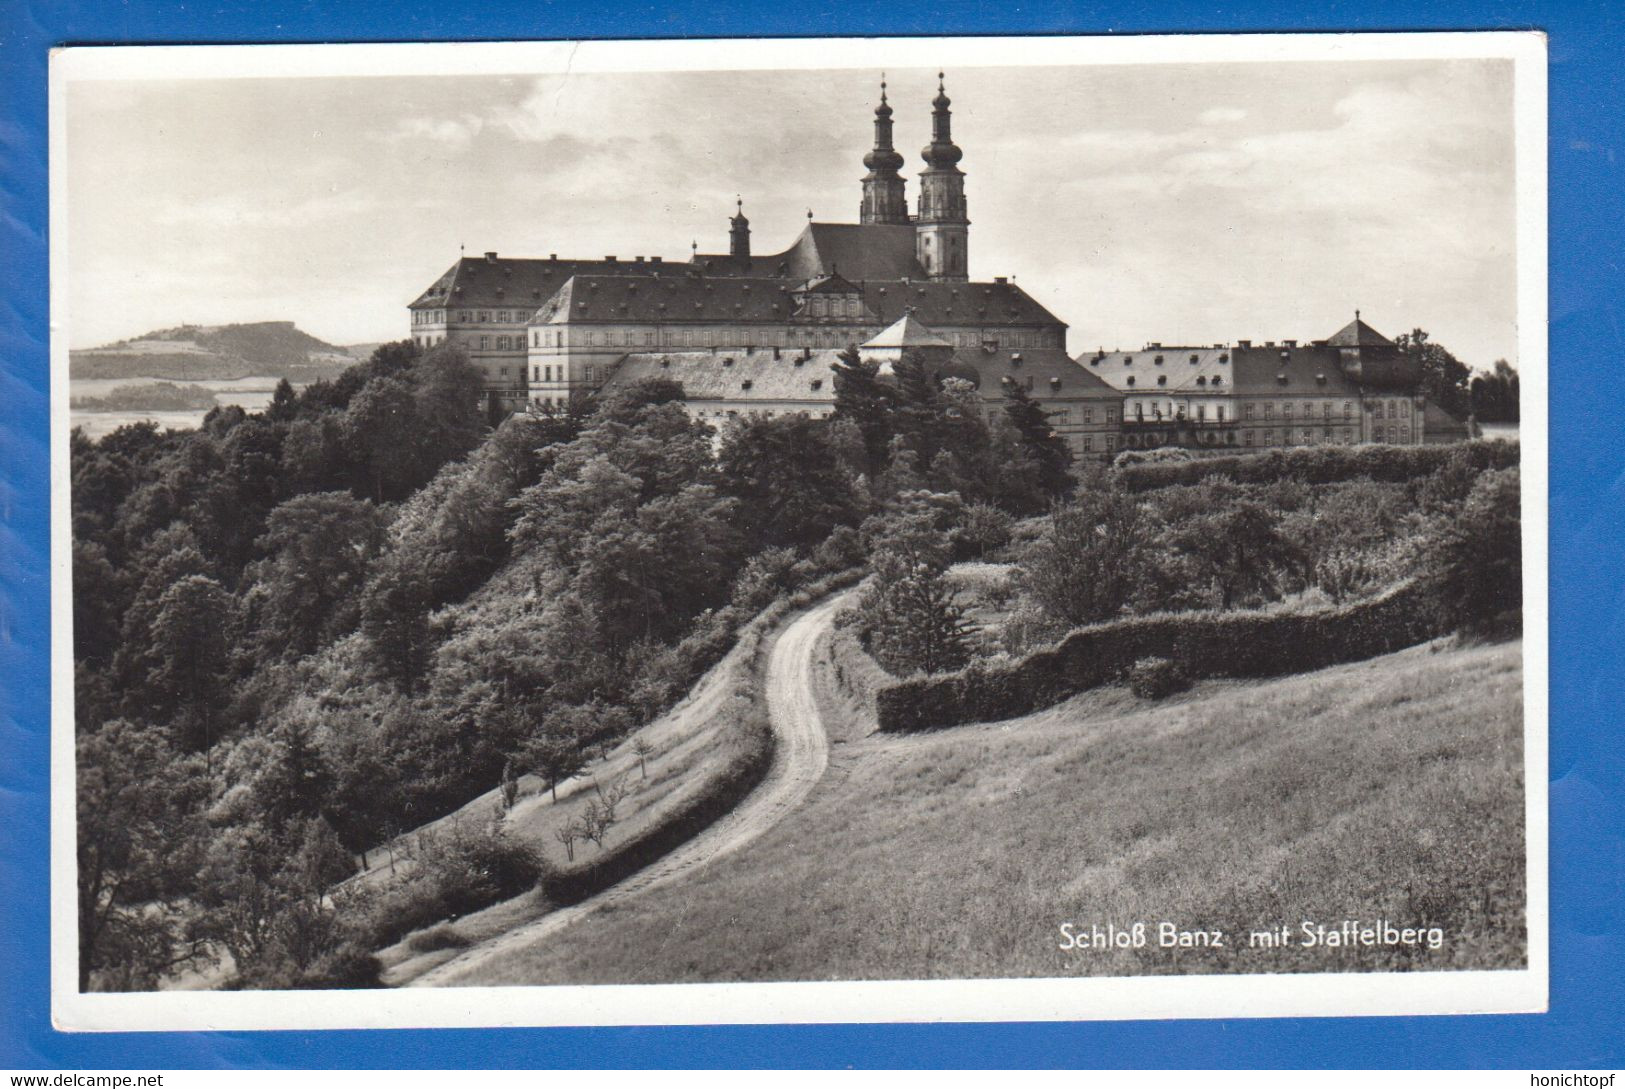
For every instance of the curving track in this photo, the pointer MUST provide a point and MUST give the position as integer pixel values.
(800, 756)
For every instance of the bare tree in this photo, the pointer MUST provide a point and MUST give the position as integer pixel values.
(611, 797)
(643, 750)
(594, 824)
(567, 834)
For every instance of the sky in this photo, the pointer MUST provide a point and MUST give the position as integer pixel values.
(1179, 203)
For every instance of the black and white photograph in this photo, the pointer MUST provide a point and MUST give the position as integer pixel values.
(759, 531)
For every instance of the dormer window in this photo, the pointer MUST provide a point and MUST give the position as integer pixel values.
(1158, 361)
(1224, 357)
(1131, 379)
(1195, 359)
(1162, 379)
(746, 384)
(817, 383)
(1200, 381)
(1127, 359)
(1215, 379)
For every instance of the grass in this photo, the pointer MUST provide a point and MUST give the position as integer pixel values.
(1386, 789)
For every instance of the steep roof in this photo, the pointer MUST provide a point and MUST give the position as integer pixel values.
(679, 294)
(521, 282)
(1286, 372)
(1161, 369)
(1357, 334)
(906, 332)
(858, 251)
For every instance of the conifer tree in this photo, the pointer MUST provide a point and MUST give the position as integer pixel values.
(1047, 449)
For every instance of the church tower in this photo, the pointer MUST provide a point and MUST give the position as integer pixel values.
(739, 231)
(942, 229)
(883, 198)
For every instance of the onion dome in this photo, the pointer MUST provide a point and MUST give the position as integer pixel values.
(883, 158)
(941, 153)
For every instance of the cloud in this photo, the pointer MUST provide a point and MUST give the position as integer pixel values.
(247, 210)
(451, 132)
(1223, 115)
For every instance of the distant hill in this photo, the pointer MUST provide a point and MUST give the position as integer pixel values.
(200, 352)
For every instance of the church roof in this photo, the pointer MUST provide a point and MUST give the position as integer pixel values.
(1357, 334)
(682, 294)
(858, 251)
(906, 332)
(521, 282)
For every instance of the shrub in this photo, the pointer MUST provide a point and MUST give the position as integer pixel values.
(1154, 678)
(457, 872)
(1475, 560)
(1323, 464)
(1208, 644)
(444, 936)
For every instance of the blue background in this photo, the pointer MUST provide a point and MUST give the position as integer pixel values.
(1586, 1025)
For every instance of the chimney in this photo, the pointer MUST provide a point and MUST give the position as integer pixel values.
(490, 257)
(1244, 344)
(655, 260)
(1290, 343)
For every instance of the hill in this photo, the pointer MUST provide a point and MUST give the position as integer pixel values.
(215, 352)
(1387, 789)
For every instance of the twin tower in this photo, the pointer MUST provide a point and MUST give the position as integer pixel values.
(941, 228)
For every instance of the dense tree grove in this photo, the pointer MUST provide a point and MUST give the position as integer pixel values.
(317, 627)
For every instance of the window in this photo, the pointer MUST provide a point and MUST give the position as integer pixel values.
(1220, 413)
(1246, 438)
(1201, 412)
(1088, 415)
(1111, 415)
(1139, 410)
(504, 371)
(1247, 410)
(1269, 437)
(1269, 411)
(1393, 410)
(536, 373)
(502, 344)
(549, 370)
(485, 343)
(485, 315)
(1111, 443)
(1348, 435)
(1286, 411)
(1326, 410)
(1379, 433)
(1088, 443)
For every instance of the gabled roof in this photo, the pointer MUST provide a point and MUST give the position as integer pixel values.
(520, 282)
(858, 251)
(832, 284)
(679, 293)
(906, 332)
(1357, 334)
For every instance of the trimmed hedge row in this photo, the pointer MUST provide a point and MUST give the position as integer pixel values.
(753, 735)
(1247, 644)
(1322, 464)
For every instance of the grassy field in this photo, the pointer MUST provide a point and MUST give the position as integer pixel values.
(1388, 789)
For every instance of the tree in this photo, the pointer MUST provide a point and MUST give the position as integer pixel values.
(1086, 566)
(1049, 452)
(1495, 395)
(284, 404)
(307, 591)
(787, 478)
(190, 646)
(1475, 559)
(869, 403)
(1226, 543)
(642, 750)
(1443, 376)
(906, 612)
(555, 752)
(137, 802)
(395, 621)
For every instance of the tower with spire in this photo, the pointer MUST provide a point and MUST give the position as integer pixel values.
(739, 231)
(942, 228)
(883, 198)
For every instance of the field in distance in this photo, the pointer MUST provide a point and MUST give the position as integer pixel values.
(1387, 789)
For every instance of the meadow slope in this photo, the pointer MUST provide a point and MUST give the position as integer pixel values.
(1383, 789)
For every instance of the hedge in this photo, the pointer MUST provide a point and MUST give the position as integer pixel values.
(745, 769)
(1322, 464)
(1246, 644)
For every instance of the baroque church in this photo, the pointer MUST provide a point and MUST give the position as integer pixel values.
(746, 332)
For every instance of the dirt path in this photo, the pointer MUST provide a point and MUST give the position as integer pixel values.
(800, 756)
